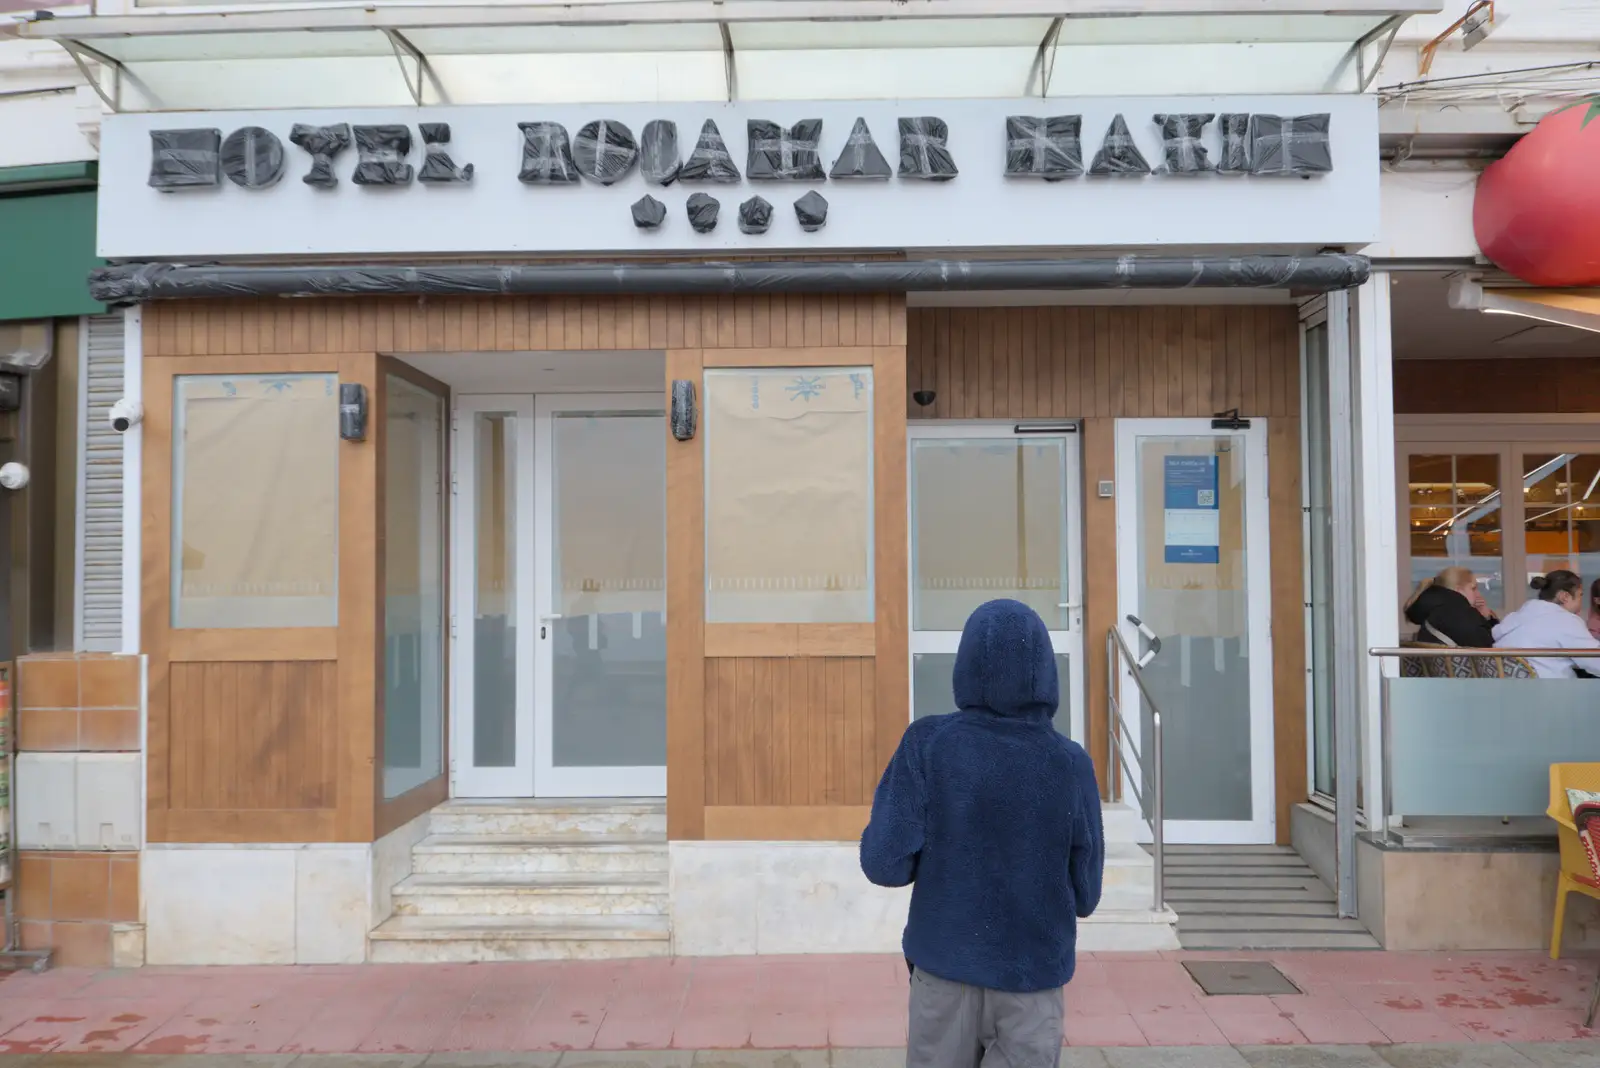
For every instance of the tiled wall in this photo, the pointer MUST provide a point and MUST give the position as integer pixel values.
(71, 901)
(83, 703)
(68, 902)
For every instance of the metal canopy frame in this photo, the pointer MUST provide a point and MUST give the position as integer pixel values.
(93, 40)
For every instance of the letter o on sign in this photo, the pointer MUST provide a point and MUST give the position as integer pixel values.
(253, 157)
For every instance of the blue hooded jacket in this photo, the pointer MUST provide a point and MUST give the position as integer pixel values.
(992, 817)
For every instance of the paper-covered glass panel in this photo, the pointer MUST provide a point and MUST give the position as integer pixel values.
(789, 520)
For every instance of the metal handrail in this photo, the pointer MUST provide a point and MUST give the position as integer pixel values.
(1121, 746)
(1456, 650)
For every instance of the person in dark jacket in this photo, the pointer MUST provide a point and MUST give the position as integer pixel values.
(993, 818)
(1449, 609)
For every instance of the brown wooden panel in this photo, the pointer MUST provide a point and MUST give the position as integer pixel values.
(790, 731)
(1151, 362)
(789, 639)
(1100, 587)
(787, 823)
(892, 639)
(842, 356)
(686, 555)
(1285, 530)
(253, 735)
(1497, 387)
(401, 325)
(266, 643)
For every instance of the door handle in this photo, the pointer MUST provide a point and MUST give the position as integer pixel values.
(1069, 605)
(551, 618)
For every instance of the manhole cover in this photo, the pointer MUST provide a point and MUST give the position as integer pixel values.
(1221, 977)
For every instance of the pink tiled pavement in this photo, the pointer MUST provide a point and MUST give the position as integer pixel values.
(769, 1002)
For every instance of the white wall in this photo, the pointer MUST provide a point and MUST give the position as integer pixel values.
(1426, 214)
(43, 100)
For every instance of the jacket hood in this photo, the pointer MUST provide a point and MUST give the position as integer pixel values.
(1005, 664)
(1428, 602)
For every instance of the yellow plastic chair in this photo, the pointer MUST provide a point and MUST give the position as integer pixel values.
(1576, 872)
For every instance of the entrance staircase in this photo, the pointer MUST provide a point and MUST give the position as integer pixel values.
(1125, 920)
(1255, 898)
(534, 880)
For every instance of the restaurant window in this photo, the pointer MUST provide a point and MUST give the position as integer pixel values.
(1561, 513)
(255, 507)
(788, 486)
(1454, 519)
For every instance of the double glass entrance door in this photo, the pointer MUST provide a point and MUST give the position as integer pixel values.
(559, 620)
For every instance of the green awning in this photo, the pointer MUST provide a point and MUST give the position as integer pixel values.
(46, 246)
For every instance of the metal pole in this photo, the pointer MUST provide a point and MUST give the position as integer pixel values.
(1157, 812)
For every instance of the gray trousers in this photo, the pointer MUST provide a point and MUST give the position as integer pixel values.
(954, 1025)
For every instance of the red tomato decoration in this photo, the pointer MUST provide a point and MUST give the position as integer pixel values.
(1536, 213)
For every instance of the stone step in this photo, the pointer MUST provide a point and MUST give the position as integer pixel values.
(471, 938)
(552, 819)
(1127, 931)
(473, 854)
(1276, 940)
(546, 894)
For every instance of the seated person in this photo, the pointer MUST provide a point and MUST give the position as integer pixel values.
(1551, 622)
(1449, 609)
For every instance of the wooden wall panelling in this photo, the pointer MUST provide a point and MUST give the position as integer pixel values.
(789, 639)
(783, 731)
(891, 552)
(686, 556)
(1549, 384)
(1286, 529)
(787, 823)
(396, 325)
(1098, 446)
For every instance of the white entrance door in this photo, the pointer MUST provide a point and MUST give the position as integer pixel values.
(994, 513)
(1192, 565)
(560, 625)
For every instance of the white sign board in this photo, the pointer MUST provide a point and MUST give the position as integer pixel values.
(494, 212)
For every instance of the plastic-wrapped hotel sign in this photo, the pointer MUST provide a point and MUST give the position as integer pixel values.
(1284, 171)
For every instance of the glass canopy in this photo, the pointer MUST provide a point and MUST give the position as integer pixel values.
(172, 57)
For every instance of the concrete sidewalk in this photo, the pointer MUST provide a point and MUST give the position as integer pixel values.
(1529, 1055)
(1481, 1004)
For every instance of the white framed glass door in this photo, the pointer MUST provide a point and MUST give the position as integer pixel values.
(600, 596)
(492, 740)
(1193, 566)
(995, 512)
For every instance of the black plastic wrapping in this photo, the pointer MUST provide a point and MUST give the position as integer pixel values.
(352, 411)
(185, 159)
(383, 152)
(659, 159)
(1047, 148)
(648, 212)
(1182, 150)
(1235, 127)
(252, 158)
(605, 151)
(134, 283)
(779, 155)
(684, 416)
(703, 211)
(861, 158)
(710, 161)
(1119, 155)
(755, 216)
(546, 155)
(812, 211)
(324, 143)
(1290, 145)
(925, 149)
(437, 166)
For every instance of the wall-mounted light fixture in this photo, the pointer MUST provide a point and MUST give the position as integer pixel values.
(352, 411)
(924, 397)
(685, 419)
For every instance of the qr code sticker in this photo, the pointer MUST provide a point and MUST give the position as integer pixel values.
(1206, 498)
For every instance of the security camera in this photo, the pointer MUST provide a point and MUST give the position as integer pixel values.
(125, 414)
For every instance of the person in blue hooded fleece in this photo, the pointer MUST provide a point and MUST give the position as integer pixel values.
(993, 819)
